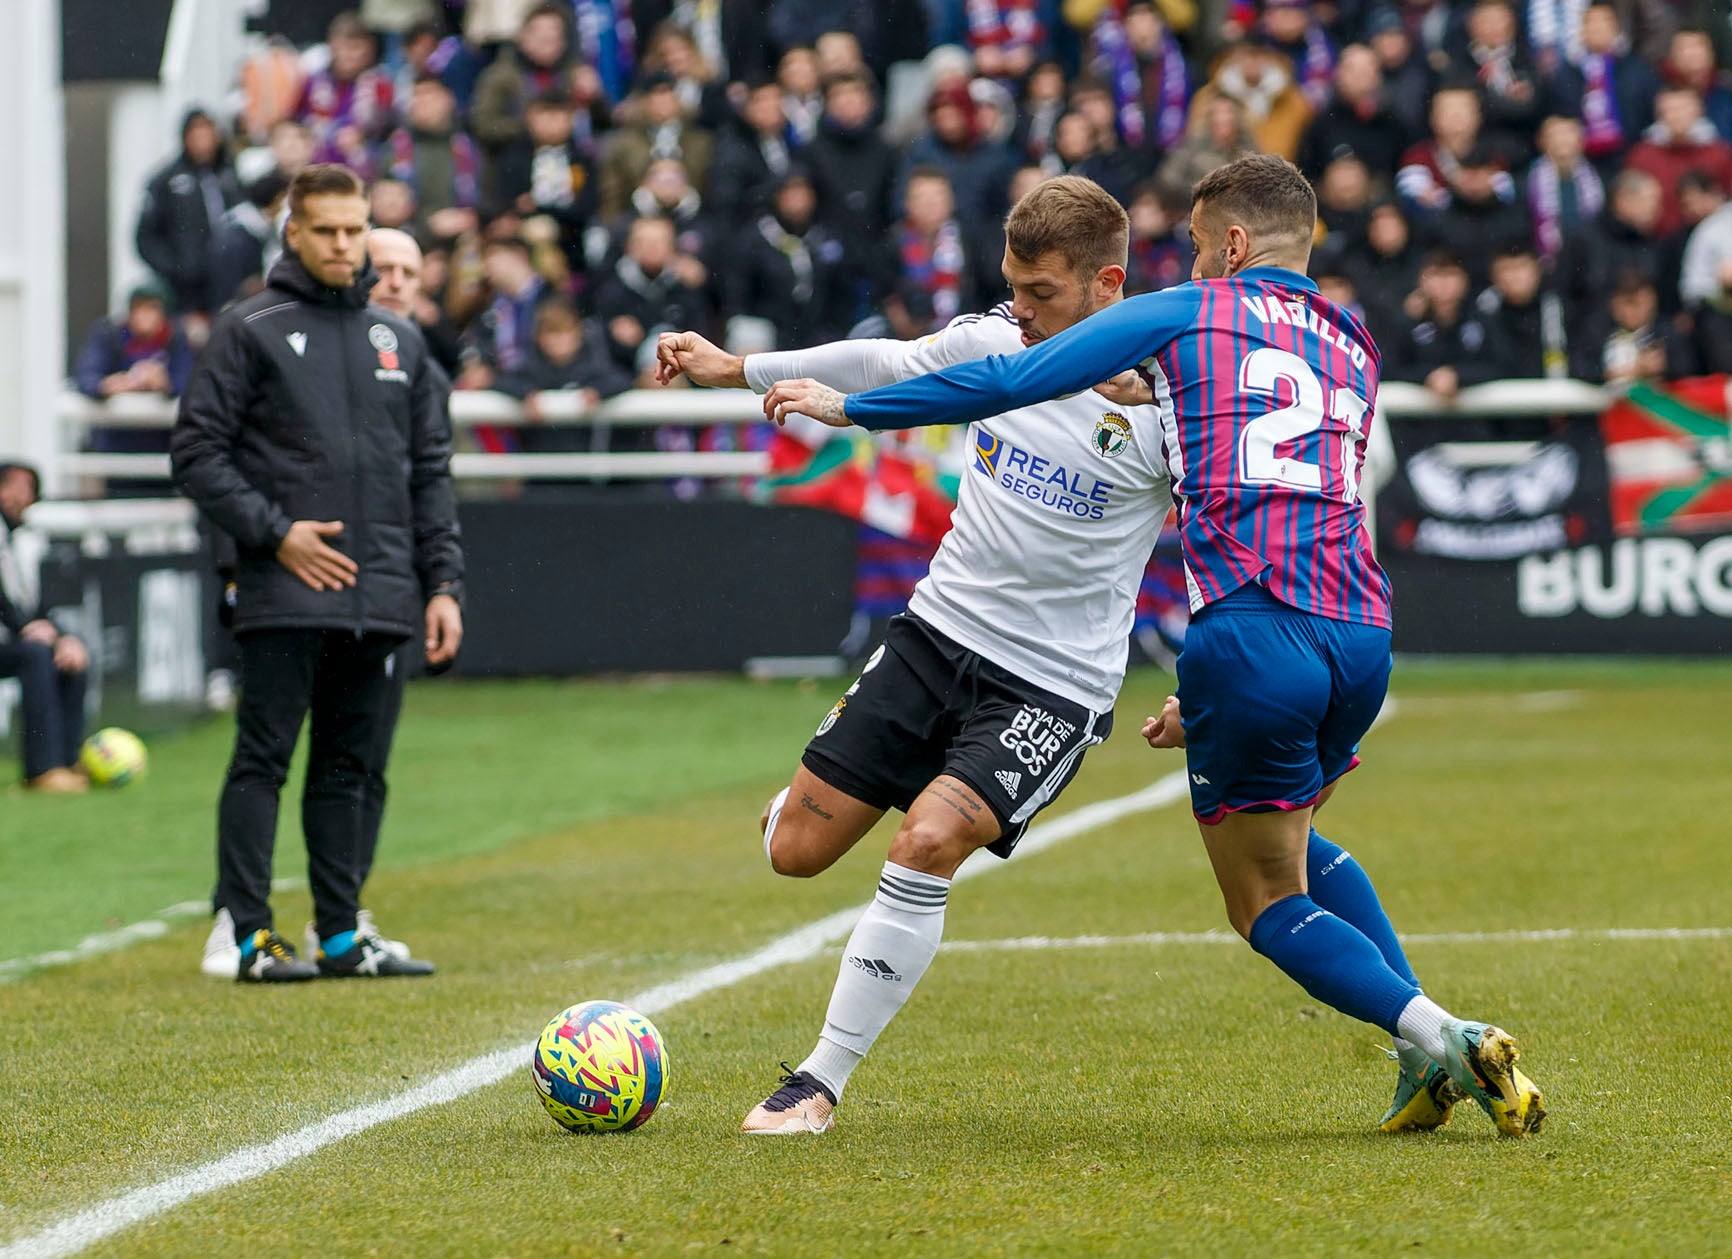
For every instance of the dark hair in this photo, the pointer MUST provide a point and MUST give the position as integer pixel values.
(267, 188)
(347, 26)
(1630, 281)
(515, 243)
(555, 313)
(551, 100)
(1443, 260)
(422, 28)
(17, 465)
(1515, 249)
(850, 78)
(545, 9)
(1073, 217)
(927, 170)
(1696, 180)
(1262, 193)
(323, 179)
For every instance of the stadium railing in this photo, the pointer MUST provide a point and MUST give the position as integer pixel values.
(697, 408)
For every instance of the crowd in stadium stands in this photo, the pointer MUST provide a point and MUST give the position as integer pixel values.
(1507, 189)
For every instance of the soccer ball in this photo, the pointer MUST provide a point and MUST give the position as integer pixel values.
(600, 1067)
(113, 757)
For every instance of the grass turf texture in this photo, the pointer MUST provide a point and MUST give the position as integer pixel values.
(551, 843)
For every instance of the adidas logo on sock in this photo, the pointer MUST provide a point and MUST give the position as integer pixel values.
(878, 968)
(1011, 781)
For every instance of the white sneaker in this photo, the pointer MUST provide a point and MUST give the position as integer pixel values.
(222, 956)
(364, 926)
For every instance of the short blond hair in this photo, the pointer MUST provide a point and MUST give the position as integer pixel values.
(1073, 217)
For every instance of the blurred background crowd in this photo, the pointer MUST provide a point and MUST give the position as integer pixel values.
(1533, 189)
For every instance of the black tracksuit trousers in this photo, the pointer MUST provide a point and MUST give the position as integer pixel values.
(352, 691)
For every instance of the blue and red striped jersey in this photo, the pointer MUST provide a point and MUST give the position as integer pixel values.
(1265, 390)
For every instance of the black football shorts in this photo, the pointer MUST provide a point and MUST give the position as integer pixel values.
(925, 706)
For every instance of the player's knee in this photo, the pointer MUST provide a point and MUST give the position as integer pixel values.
(930, 847)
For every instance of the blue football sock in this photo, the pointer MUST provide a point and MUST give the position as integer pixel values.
(337, 945)
(1332, 961)
(249, 946)
(1340, 885)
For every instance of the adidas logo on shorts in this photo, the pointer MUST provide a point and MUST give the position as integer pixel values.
(1011, 781)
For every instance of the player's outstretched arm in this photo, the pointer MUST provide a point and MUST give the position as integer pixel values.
(1100, 347)
(805, 397)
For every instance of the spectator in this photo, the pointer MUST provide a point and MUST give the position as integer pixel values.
(1680, 141)
(1444, 344)
(978, 171)
(183, 203)
(1482, 214)
(1563, 189)
(1126, 166)
(1632, 344)
(543, 172)
(1043, 103)
(852, 169)
(391, 203)
(142, 352)
(1385, 274)
(1556, 35)
(1006, 37)
(538, 63)
(247, 239)
(802, 100)
(1430, 170)
(1217, 136)
(839, 53)
(1706, 253)
(1344, 203)
(652, 286)
(1510, 92)
(1625, 237)
(1292, 28)
(1406, 76)
(1076, 152)
(569, 355)
(291, 147)
(1151, 88)
(1436, 29)
(1691, 64)
(51, 666)
(1609, 89)
(752, 156)
(661, 132)
(787, 269)
(702, 89)
(438, 160)
(407, 280)
(1336, 286)
(1357, 119)
(933, 265)
(1160, 250)
(499, 336)
(666, 193)
(1260, 81)
(1712, 319)
(348, 106)
(730, 35)
(1524, 316)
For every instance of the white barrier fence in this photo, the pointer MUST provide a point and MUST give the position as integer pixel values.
(696, 408)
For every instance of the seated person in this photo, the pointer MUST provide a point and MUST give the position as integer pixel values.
(50, 666)
(567, 355)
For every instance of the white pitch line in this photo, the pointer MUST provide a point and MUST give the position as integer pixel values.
(802, 944)
(1578, 934)
(157, 925)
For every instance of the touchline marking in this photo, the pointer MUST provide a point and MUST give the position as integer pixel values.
(1579, 934)
(157, 925)
(802, 944)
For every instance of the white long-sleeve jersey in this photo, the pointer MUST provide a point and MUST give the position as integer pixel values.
(1059, 508)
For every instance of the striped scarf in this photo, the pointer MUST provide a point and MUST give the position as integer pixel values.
(1545, 202)
(465, 166)
(1603, 129)
(1163, 82)
(937, 268)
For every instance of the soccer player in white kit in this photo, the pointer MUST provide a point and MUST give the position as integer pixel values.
(976, 710)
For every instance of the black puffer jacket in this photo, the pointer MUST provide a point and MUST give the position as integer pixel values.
(309, 404)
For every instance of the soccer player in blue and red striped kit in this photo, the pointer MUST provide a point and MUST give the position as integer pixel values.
(1265, 391)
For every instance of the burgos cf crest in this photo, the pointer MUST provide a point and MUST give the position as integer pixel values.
(1112, 435)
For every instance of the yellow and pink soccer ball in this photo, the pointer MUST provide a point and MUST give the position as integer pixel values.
(600, 1067)
(113, 757)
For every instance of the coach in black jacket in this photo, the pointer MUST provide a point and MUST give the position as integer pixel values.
(314, 432)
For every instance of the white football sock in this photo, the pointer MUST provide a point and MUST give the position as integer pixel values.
(892, 945)
(1422, 1023)
(775, 816)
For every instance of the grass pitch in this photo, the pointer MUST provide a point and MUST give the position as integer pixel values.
(548, 843)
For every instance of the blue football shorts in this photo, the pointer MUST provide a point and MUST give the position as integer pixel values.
(1274, 701)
